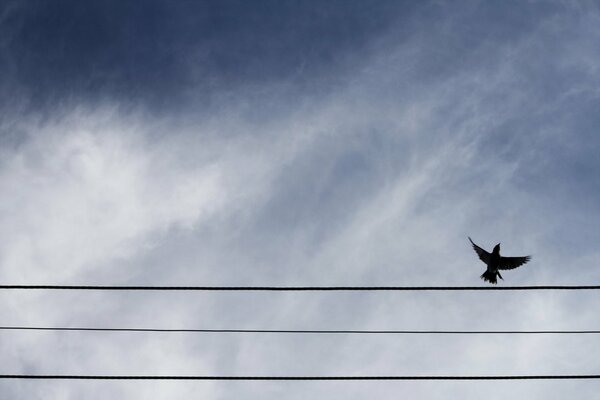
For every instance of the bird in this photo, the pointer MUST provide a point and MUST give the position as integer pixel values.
(496, 262)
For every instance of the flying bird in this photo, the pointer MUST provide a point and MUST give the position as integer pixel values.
(495, 262)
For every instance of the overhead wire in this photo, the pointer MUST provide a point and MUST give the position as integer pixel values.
(304, 378)
(302, 331)
(297, 288)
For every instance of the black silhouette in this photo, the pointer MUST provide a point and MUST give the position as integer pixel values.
(495, 262)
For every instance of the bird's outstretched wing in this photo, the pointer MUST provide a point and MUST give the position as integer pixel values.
(483, 255)
(512, 262)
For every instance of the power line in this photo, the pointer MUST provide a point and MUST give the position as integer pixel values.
(301, 331)
(296, 288)
(304, 378)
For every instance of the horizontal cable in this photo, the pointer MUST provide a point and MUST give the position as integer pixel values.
(298, 288)
(306, 378)
(335, 331)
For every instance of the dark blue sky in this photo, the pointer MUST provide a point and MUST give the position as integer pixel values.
(153, 51)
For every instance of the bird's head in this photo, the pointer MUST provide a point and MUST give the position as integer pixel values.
(497, 249)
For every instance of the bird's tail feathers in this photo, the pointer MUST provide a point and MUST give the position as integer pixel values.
(490, 277)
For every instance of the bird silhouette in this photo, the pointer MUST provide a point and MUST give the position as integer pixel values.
(495, 262)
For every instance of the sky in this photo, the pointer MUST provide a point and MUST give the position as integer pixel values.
(298, 143)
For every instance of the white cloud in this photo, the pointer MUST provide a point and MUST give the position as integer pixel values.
(85, 190)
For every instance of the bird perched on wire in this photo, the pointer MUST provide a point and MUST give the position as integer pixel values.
(496, 262)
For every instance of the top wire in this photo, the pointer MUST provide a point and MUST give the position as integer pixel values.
(297, 288)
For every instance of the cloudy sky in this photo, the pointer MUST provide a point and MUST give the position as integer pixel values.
(298, 143)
